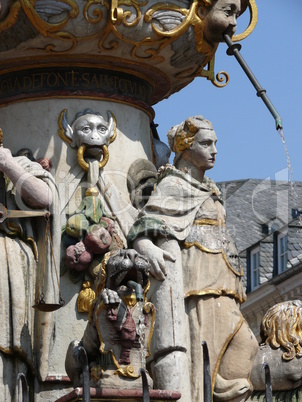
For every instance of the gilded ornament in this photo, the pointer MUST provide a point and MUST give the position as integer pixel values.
(84, 165)
(97, 13)
(252, 24)
(85, 298)
(96, 373)
(127, 371)
(92, 192)
(102, 275)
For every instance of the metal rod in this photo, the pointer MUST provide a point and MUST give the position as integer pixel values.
(2, 179)
(268, 383)
(234, 50)
(25, 395)
(84, 361)
(146, 394)
(207, 388)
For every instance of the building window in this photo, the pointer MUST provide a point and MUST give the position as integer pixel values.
(255, 268)
(282, 252)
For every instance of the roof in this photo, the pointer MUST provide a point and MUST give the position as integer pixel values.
(253, 205)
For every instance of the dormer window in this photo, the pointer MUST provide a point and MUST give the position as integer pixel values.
(282, 251)
(254, 263)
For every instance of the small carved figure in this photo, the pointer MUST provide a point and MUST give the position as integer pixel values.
(89, 231)
(219, 17)
(213, 19)
(182, 231)
(91, 130)
(120, 326)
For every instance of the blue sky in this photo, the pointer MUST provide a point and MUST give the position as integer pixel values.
(248, 144)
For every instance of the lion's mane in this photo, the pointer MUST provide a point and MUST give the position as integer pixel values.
(282, 327)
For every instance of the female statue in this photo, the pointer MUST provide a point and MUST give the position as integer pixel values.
(182, 232)
(25, 338)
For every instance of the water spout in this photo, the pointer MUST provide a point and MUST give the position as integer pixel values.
(234, 50)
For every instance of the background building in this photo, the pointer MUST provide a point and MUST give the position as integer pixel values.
(265, 219)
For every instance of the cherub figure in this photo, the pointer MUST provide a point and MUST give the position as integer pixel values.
(219, 17)
(213, 19)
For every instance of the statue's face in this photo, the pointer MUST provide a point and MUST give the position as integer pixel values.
(202, 153)
(219, 19)
(91, 130)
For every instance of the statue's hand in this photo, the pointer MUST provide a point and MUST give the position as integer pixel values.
(109, 296)
(156, 256)
(5, 157)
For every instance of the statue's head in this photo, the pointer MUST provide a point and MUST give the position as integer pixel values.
(194, 140)
(209, 3)
(281, 327)
(219, 17)
(90, 129)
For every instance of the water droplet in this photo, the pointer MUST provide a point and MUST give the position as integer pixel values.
(289, 166)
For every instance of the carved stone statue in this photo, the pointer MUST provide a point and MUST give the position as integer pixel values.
(280, 347)
(23, 252)
(117, 337)
(182, 231)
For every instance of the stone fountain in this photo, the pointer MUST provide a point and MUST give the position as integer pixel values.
(70, 70)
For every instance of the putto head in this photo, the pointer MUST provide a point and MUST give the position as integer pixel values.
(220, 17)
(209, 3)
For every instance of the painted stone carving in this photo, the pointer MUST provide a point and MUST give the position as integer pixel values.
(182, 231)
(176, 38)
(90, 133)
(25, 186)
(280, 347)
(89, 232)
(118, 335)
(124, 56)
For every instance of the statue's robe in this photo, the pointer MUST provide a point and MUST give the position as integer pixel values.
(26, 334)
(190, 212)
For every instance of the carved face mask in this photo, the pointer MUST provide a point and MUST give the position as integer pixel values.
(220, 18)
(91, 130)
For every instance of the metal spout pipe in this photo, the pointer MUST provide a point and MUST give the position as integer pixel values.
(85, 366)
(146, 394)
(138, 290)
(234, 50)
(268, 383)
(207, 384)
(25, 394)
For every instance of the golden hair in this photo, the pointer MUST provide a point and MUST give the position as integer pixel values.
(282, 327)
(184, 138)
(181, 137)
(207, 3)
